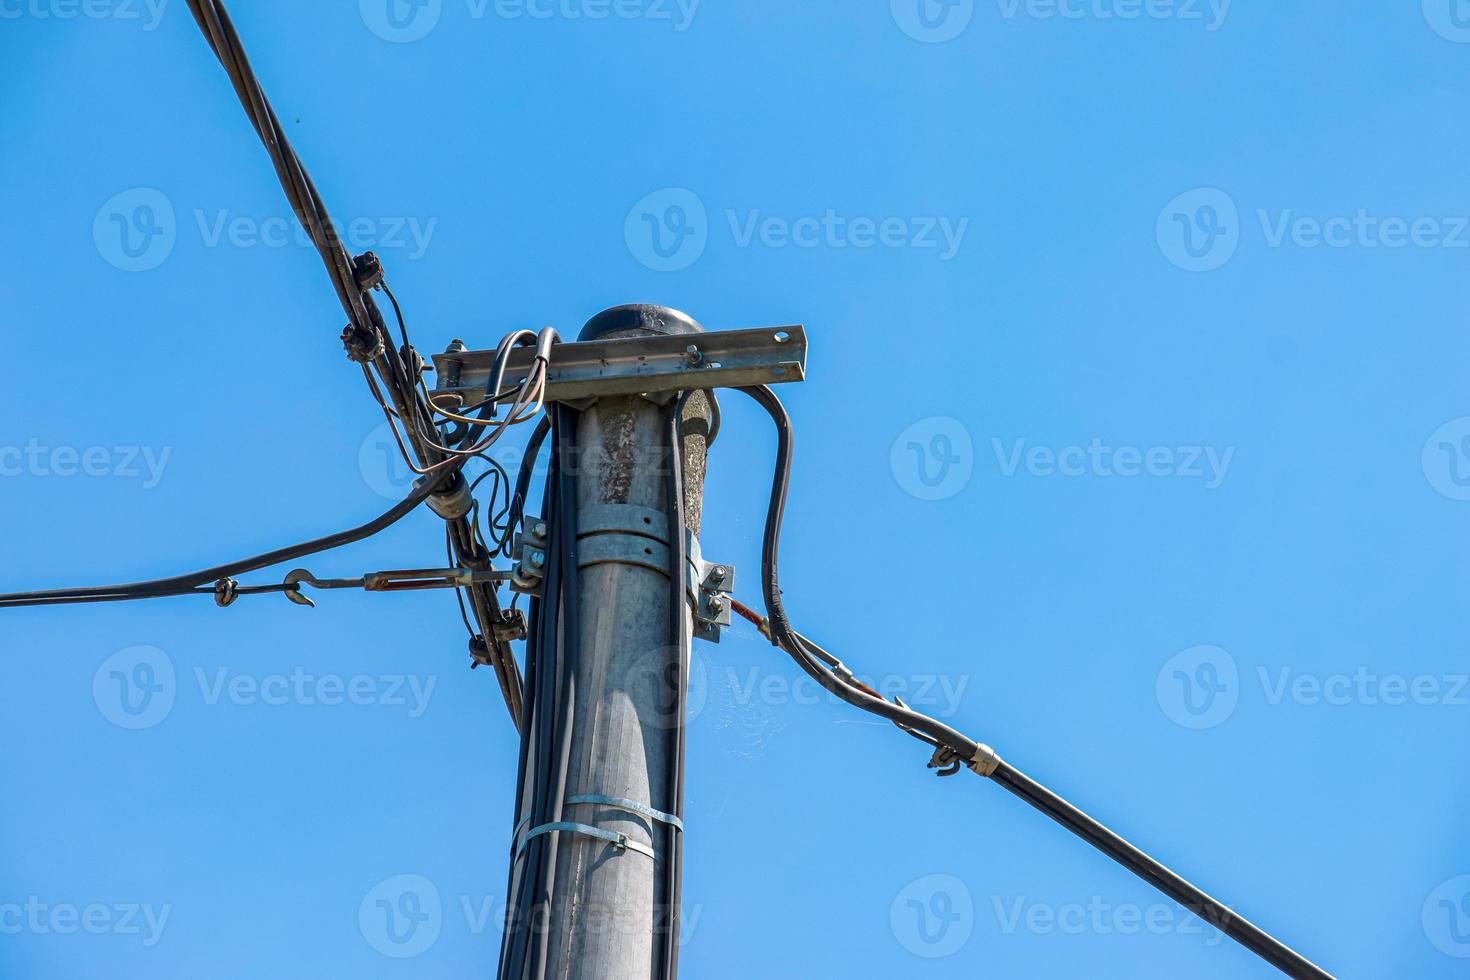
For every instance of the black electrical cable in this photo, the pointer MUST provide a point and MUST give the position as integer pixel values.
(517, 514)
(956, 747)
(1252, 937)
(549, 717)
(214, 21)
(180, 584)
(667, 926)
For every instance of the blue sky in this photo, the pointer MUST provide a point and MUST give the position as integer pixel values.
(1136, 442)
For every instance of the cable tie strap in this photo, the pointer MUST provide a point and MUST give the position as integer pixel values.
(618, 840)
(630, 806)
(985, 761)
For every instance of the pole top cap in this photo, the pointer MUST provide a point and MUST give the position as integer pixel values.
(639, 318)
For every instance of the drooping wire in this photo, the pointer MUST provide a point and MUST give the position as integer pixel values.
(183, 584)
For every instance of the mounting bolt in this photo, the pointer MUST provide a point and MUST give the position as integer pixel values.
(540, 530)
(718, 573)
(692, 356)
(716, 605)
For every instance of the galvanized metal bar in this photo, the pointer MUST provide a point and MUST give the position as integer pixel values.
(634, 366)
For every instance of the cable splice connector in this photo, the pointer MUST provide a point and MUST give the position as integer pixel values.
(362, 345)
(454, 501)
(365, 344)
(367, 271)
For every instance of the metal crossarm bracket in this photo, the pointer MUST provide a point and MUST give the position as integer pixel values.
(624, 534)
(634, 366)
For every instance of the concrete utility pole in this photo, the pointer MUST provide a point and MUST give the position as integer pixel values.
(610, 911)
(594, 889)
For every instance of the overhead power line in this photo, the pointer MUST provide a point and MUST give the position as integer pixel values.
(578, 636)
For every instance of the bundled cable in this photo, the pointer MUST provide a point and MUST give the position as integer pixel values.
(364, 335)
(549, 713)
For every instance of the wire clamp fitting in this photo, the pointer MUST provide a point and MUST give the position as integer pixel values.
(226, 591)
(367, 271)
(531, 547)
(362, 346)
(985, 761)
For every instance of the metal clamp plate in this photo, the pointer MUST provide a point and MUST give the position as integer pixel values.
(624, 534)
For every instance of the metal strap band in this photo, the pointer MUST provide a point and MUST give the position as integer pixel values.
(620, 841)
(594, 799)
(630, 806)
